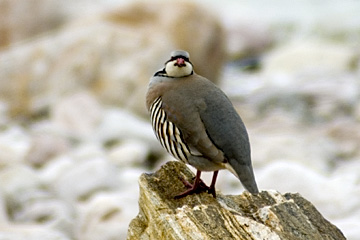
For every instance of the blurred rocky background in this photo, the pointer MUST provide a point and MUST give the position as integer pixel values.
(75, 136)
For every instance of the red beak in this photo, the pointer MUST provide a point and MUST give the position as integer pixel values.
(180, 61)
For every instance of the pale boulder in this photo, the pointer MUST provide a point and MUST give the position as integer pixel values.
(83, 179)
(310, 56)
(44, 147)
(76, 115)
(14, 145)
(22, 185)
(129, 153)
(99, 218)
(48, 213)
(119, 124)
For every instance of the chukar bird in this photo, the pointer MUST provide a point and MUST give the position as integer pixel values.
(198, 125)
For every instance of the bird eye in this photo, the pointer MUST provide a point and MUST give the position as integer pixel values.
(176, 57)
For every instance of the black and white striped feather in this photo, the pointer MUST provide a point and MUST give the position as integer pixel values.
(167, 133)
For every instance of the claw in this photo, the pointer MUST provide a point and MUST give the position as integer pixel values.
(198, 186)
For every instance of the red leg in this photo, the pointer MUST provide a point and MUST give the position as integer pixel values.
(211, 189)
(197, 187)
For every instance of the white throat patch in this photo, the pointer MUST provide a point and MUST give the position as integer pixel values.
(173, 70)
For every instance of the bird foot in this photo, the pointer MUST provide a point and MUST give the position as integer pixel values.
(212, 191)
(195, 188)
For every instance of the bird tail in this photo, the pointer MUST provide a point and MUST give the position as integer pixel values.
(245, 173)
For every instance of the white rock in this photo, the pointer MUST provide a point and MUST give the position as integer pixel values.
(349, 170)
(14, 145)
(127, 180)
(84, 179)
(27, 201)
(311, 56)
(106, 217)
(129, 153)
(327, 193)
(53, 170)
(50, 213)
(20, 184)
(349, 226)
(77, 115)
(45, 146)
(124, 125)
(127, 196)
(88, 150)
(307, 147)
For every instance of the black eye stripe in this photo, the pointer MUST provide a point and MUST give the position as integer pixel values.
(176, 57)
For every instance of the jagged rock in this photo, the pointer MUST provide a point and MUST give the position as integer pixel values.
(269, 215)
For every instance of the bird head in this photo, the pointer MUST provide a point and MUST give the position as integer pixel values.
(179, 64)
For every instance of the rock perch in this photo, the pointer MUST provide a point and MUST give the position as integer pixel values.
(268, 215)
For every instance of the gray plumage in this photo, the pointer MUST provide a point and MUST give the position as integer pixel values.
(196, 122)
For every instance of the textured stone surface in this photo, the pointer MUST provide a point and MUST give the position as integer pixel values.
(269, 215)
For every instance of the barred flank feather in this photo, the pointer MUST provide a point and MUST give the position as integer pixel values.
(167, 133)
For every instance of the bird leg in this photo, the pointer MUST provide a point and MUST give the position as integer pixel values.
(211, 189)
(198, 186)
